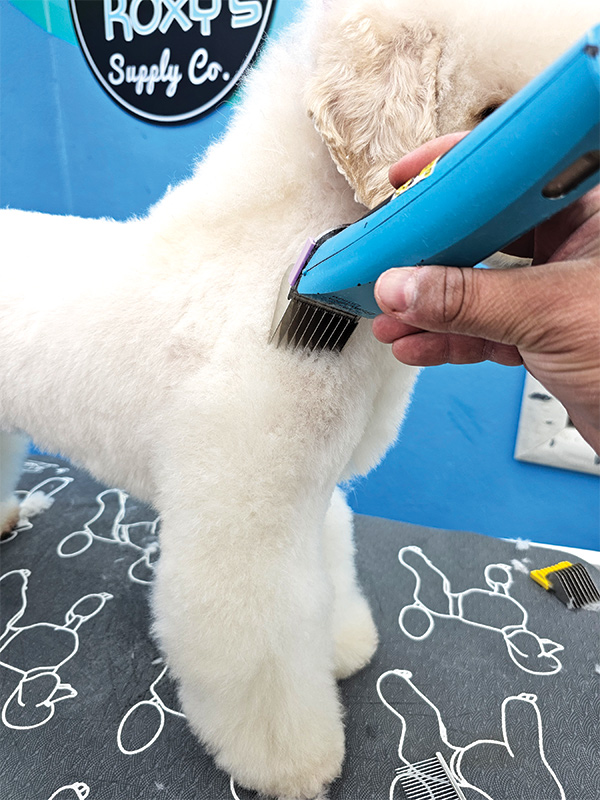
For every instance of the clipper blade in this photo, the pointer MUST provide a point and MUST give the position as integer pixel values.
(303, 323)
(429, 780)
(312, 326)
(571, 583)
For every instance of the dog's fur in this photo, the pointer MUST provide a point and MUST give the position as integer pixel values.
(139, 350)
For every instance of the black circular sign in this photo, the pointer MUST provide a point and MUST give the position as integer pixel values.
(170, 61)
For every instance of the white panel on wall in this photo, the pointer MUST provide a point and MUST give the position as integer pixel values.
(547, 436)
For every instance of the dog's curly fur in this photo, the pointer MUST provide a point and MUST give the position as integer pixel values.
(139, 350)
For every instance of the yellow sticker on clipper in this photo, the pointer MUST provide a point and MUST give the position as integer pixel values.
(425, 173)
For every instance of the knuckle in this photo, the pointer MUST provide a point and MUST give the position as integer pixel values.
(454, 295)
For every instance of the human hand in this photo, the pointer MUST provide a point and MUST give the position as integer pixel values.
(545, 316)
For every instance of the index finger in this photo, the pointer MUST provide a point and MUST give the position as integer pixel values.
(412, 163)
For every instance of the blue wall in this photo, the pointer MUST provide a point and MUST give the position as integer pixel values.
(66, 148)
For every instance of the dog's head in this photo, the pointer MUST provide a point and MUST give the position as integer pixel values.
(392, 74)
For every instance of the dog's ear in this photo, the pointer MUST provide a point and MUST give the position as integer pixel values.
(373, 95)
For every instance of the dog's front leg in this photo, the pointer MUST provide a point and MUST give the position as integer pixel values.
(244, 598)
(354, 632)
(246, 627)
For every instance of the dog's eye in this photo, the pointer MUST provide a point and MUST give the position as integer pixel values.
(485, 112)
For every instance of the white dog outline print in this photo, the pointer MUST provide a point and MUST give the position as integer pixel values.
(156, 703)
(74, 791)
(541, 661)
(119, 534)
(34, 467)
(454, 754)
(162, 708)
(40, 686)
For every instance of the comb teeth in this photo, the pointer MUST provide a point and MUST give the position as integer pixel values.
(310, 325)
(571, 583)
(429, 780)
(574, 586)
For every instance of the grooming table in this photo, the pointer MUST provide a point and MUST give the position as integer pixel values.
(476, 662)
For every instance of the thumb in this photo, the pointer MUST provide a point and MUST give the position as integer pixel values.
(511, 306)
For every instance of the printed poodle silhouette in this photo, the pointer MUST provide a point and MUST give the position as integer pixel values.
(241, 794)
(136, 720)
(74, 791)
(518, 757)
(37, 652)
(33, 467)
(106, 526)
(135, 724)
(492, 608)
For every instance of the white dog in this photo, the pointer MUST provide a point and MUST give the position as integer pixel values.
(140, 351)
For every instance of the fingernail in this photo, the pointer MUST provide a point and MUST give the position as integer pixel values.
(395, 289)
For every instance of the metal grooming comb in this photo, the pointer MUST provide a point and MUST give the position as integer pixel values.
(499, 182)
(310, 325)
(303, 322)
(429, 780)
(571, 583)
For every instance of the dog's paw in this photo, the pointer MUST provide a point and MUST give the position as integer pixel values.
(355, 638)
(298, 769)
(9, 515)
(277, 749)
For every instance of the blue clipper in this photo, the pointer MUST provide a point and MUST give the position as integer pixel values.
(536, 154)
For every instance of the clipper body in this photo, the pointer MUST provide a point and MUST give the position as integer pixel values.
(529, 159)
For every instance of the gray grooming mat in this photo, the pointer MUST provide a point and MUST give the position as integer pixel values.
(476, 661)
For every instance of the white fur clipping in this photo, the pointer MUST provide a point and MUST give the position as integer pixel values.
(520, 566)
(9, 514)
(33, 505)
(522, 544)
